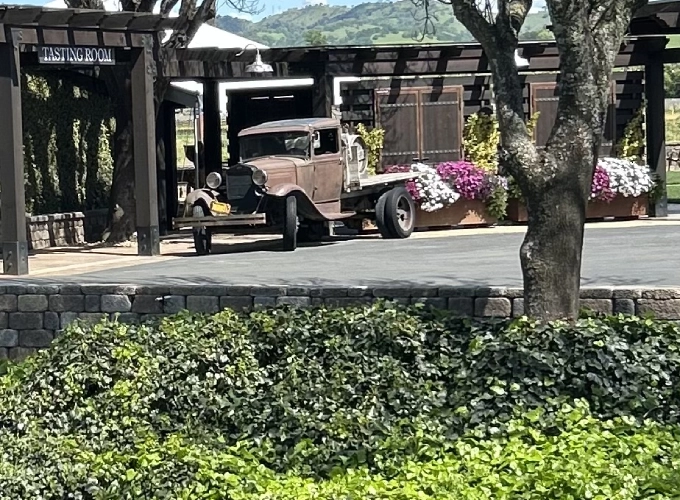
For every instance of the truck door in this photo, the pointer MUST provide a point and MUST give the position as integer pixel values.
(328, 169)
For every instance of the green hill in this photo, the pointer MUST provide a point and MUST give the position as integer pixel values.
(364, 24)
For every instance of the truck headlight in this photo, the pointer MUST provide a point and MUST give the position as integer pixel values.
(213, 180)
(259, 177)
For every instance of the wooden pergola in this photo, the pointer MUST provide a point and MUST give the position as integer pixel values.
(75, 38)
(324, 64)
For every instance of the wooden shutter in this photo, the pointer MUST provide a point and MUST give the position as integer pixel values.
(442, 124)
(544, 100)
(397, 114)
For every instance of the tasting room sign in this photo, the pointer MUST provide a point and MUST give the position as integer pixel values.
(88, 56)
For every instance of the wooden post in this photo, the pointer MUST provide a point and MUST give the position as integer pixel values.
(656, 126)
(144, 136)
(170, 139)
(212, 131)
(13, 199)
(322, 106)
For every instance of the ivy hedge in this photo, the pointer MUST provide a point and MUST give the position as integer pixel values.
(371, 402)
(68, 133)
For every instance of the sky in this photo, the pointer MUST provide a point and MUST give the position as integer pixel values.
(269, 7)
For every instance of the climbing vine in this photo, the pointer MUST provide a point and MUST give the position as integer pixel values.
(632, 143)
(374, 139)
(480, 141)
(67, 153)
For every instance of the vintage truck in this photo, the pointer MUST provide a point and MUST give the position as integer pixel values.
(295, 177)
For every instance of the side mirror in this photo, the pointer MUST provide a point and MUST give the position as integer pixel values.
(317, 140)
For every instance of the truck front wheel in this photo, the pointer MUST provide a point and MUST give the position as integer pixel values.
(395, 214)
(202, 235)
(290, 224)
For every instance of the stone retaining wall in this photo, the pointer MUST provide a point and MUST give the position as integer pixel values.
(64, 230)
(673, 157)
(31, 315)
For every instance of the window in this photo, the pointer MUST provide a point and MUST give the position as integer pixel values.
(275, 144)
(328, 142)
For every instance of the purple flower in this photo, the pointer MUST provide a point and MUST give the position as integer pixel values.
(466, 178)
(410, 185)
(601, 186)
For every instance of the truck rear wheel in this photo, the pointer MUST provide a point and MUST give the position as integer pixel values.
(202, 235)
(399, 214)
(380, 215)
(290, 224)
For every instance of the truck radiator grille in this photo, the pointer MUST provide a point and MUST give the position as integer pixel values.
(241, 191)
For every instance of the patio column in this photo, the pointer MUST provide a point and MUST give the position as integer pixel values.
(655, 94)
(322, 104)
(212, 131)
(144, 136)
(13, 206)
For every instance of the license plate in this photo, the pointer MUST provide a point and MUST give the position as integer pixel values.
(220, 208)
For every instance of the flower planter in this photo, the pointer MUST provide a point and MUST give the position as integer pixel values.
(621, 207)
(461, 213)
(516, 211)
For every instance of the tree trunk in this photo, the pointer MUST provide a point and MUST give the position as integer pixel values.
(551, 252)
(122, 208)
(555, 183)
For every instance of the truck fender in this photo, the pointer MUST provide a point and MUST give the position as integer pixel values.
(306, 206)
(196, 196)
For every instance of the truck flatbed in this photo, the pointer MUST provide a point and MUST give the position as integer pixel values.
(387, 179)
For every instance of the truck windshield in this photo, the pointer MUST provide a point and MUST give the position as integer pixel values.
(275, 144)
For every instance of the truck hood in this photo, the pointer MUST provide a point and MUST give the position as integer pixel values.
(269, 162)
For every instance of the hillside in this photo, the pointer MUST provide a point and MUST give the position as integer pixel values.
(363, 24)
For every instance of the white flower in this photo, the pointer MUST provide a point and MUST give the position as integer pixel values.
(434, 193)
(626, 177)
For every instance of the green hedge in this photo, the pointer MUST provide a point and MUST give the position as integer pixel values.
(371, 402)
(68, 129)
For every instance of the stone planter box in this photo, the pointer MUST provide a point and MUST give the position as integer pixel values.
(620, 207)
(64, 229)
(461, 213)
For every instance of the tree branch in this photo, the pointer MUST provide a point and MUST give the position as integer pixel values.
(468, 13)
(167, 6)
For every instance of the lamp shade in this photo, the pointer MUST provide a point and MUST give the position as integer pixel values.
(259, 66)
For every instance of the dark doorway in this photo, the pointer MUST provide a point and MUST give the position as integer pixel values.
(252, 107)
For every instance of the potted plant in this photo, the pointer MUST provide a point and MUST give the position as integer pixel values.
(456, 194)
(620, 189)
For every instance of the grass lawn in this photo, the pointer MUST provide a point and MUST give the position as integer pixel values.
(673, 186)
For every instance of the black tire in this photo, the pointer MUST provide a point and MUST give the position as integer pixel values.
(380, 215)
(399, 213)
(290, 224)
(202, 235)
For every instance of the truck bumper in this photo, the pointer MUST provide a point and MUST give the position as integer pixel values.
(220, 221)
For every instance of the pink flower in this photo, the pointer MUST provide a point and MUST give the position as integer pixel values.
(466, 178)
(601, 186)
(410, 185)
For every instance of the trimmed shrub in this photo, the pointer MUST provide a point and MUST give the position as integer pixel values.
(364, 402)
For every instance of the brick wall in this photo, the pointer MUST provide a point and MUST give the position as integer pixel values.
(31, 315)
